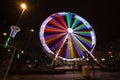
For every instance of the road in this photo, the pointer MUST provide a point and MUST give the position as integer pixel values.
(69, 75)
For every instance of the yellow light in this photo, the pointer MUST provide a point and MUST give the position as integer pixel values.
(95, 59)
(22, 52)
(5, 34)
(103, 59)
(32, 30)
(87, 59)
(23, 6)
(9, 50)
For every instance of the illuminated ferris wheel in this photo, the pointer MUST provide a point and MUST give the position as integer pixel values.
(67, 36)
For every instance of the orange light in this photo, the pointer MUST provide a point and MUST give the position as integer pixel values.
(23, 6)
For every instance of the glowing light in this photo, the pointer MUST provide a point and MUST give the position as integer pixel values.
(23, 6)
(32, 30)
(70, 30)
(18, 55)
(95, 59)
(14, 30)
(87, 59)
(111, 56)
(36, 60)
(110, 52)
(103, 59)
(8, 40)
(69, 19)
(5, 34)
(22, 52)
(9, 50)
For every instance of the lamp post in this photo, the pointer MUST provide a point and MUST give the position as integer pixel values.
(10, 62)
(14, 30)
(23, 6)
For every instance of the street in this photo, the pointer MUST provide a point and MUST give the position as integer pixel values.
(69, 75)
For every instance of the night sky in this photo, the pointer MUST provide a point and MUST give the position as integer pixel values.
(103, 15)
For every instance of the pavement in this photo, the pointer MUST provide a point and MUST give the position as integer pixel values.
(68, 75)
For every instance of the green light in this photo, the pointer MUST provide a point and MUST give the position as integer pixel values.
(85, 32)
(68, 19)
(85, 39)
(18, 56)
(5, 46)
(75, 21)
(8, 40)
(111, 56)
(81, 47)
(79, 27)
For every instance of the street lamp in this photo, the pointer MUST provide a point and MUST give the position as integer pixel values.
(23, 6)
(14, 30)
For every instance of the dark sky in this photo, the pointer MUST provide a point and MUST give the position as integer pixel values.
(103, 15)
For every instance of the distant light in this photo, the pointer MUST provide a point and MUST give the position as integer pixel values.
(22, 52)
(23, 6)
(36, 60)
(9, 50)
(103, 59)
(87, 59)
(95, 59)
(5, 34)
(32, 30)
(29, 66)
(18, 56)
(110, 52)
(111, 56)
(83, 57)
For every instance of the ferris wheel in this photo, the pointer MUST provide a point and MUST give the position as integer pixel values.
(67, 36)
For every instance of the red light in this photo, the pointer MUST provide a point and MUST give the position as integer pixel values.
(110, 53)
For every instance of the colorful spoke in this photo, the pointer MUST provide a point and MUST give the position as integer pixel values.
(67, 35)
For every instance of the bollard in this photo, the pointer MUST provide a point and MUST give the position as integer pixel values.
(85, 72)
